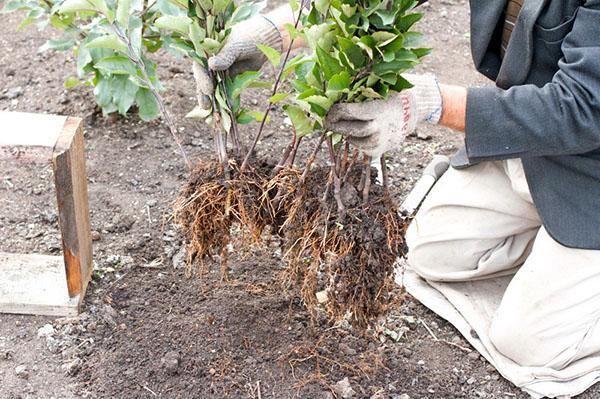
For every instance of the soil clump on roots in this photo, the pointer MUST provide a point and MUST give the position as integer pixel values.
(347, 253)
(349, 256)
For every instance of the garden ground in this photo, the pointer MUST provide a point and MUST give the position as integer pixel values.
(148, 330)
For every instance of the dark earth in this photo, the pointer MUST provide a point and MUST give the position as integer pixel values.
(149, 331)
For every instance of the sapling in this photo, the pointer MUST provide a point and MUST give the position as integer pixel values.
(343, 232)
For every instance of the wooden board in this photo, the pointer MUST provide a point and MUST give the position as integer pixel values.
(73, 214)
(35, 284)
(29, 137)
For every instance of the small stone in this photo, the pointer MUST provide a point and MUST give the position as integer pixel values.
(406, 352)
(170, 362)
(21, 372)
(45, 331)
(14, 92)
(343, 389)
(473, 355)
(151, 203)
(96, 236)
(471, 381)
(212, 371)
(403, 396)
(73, 367)
(378, 395)
(179, 259)
(347, 349)
(52, 344)
(322, 296)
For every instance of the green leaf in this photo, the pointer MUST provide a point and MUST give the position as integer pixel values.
(301, 122)
(339, 82)
(247, 116)
(57, 45)
(421, 52)
(197, 35)
(219, 6)
(329, 64)
(387, 16)
(272, 55)
(241, 82)
(322, 5)
(412, 39)
(383, 37)
(401, 84)
(147, 105)
(117, 65)
(124, 93)
(278, 97)
(245, 11)
(71, 82)
(70, 6)
(352, 52)
(407, 21)
(394, 66)
(370, 93)
(211, 45)
(123, 12)
(107, 41)
(15, 5)
(199, 113)
(180, 23)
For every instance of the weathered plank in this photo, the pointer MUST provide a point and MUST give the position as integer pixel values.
(29, 137)
(71, 191)
(35, 284)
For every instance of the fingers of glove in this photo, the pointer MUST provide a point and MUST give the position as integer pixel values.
(241, 66)
(365, 144)
(349, 128)
(226, 57)
(204, 83)
(350, 112)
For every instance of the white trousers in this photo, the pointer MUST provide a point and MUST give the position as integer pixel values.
(481, 222)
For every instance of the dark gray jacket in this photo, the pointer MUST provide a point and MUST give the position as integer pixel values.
(545, 108)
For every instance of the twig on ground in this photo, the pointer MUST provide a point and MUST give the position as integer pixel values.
(463, 348)
(149, 390)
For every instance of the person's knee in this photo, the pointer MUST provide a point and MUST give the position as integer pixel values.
(514, 336)
(434, 258)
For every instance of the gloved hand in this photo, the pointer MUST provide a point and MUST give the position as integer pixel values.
(379, 126)
(239, 54)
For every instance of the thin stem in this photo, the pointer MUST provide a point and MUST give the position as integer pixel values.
(367, 187)
(275, 88)
(292, 158)
(311, 159)
(337, 185)
(163, 109)
(350, 166)
(384, 173)
(327, 187)
(220, 141)
(235, 137)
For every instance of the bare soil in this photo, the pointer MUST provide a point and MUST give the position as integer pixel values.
(148, 330)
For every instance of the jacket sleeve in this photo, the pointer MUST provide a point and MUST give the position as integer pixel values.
(560, 118)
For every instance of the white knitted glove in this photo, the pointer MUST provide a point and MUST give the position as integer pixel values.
(379, 126)
(239, 54)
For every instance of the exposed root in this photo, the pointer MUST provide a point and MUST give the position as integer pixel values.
(350, 254)
(209, 204)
